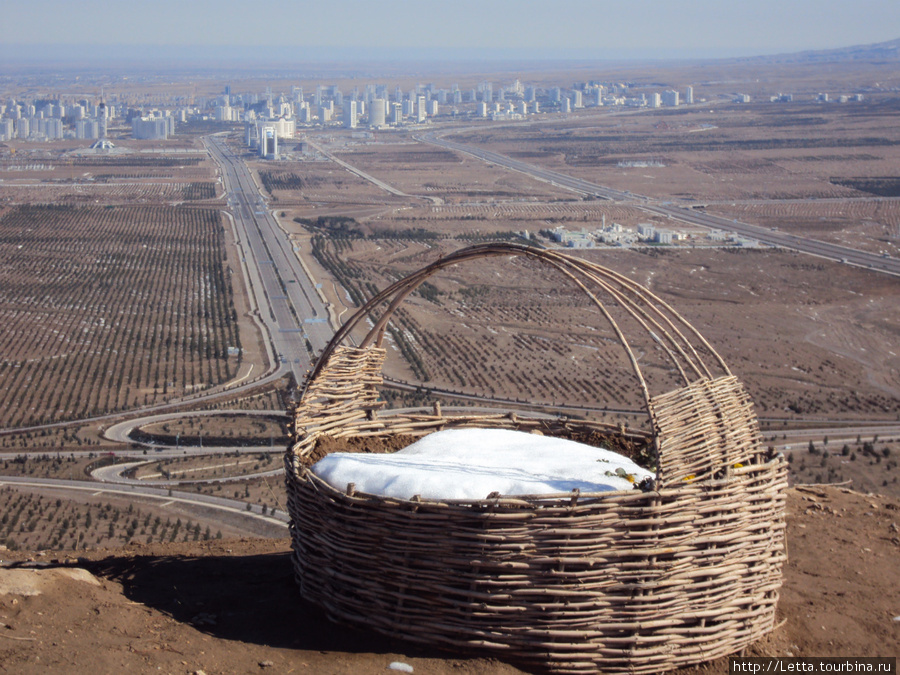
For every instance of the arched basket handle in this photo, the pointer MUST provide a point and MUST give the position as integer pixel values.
(700, 430)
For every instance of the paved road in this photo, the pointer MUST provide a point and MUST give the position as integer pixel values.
(677, 212)
(289, 304)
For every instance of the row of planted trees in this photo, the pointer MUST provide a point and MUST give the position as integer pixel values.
(38, 522)
(103, 309)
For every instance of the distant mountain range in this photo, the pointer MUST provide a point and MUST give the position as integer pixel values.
(881, 51)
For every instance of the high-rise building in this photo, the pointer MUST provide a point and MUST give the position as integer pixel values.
(670, 97)
(7, 129)
(377, 112)
(688, 94)
(268, 143)
(87, 129)
(420, 109)
(223, 113)
(350, 120)
(576, 97)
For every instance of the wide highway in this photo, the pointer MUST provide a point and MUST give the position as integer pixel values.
(887, 265)
(289, 304)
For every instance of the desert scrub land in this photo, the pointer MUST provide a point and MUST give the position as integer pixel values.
(106, 308)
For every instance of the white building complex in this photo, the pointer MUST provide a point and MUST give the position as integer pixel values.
(152, 128)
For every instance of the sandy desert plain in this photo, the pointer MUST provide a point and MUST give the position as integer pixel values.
(121, 291)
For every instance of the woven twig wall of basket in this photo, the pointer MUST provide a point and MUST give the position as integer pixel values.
(638, 581)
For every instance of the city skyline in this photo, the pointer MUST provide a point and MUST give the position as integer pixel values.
(394, 29)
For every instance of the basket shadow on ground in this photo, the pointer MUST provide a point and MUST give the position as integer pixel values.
(252, 599)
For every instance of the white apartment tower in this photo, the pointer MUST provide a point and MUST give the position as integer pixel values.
(377, 112)
(420, 109)
(350, 119)
(688, 94)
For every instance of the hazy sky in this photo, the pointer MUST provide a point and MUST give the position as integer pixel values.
(663, 27)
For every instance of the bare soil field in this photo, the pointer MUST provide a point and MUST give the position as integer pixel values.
(231, 606)
(107, 308)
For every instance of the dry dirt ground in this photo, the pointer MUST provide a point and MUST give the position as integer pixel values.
(231, 606)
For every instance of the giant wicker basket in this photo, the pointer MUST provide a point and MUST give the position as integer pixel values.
(640, 581)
